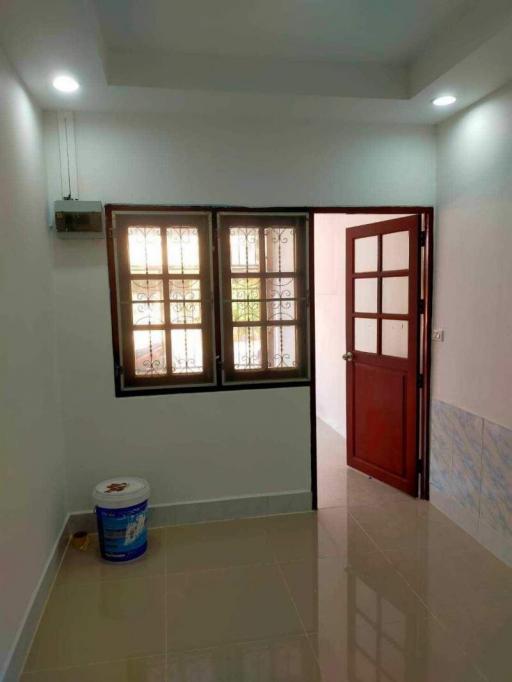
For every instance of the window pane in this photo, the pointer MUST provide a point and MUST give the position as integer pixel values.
(149, 352)
(183, 250)
(185, 312)
(281, 290)
(184, 289)
(244, 249)
(282, 346)
(280, 249)
(395, 338)
(147, 313)
(187, 351)
(395, 251)
(145, 250)
(365, 256)
(147, 290)
(246, 311)
(395, 295)
(247, 347)
(245, 288)
(185, 307)
(365, 295)
(365, 335)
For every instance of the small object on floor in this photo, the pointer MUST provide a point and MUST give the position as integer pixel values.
(80, 540)
(121, 505)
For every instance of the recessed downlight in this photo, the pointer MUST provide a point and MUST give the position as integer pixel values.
(65, 84)
(444, 100)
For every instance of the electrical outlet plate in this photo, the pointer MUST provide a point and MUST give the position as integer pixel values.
(438, 335)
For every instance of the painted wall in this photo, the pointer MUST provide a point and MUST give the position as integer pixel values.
(330, 313)
(203, 446)
(32, 504)
(472, 371)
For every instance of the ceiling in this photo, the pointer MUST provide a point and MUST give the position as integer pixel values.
(364, 60)
(353, 30)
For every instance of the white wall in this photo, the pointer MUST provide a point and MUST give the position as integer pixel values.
(32, 505)
(330, 316)
(203, 446)
(473, 267)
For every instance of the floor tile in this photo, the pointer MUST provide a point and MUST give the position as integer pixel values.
(328, 592)
(277, 660)
(88, 565)
(210, 608)
(348, 536)
(99, 621)
(375, 587)
(152, 669)
(299, 536)
(217, 545)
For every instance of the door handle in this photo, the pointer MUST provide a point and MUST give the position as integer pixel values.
(348, 357)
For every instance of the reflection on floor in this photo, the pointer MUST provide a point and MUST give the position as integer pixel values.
(376, 587)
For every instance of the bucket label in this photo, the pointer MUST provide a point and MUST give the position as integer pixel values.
(122, 532)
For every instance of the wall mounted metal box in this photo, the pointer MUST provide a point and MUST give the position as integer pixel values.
(79, 219)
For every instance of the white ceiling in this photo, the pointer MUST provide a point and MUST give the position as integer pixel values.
(364, 60)
(349, 30)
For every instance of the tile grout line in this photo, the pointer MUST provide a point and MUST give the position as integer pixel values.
(305, 633)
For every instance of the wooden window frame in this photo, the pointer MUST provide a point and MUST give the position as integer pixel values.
(120, 280)
(262, 222)
(126, 387)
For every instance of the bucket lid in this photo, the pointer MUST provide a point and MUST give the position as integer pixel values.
(122, 491)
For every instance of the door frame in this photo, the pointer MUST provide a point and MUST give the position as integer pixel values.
(426, 214)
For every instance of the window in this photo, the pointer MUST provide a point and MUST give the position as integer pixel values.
(164, 299)
(163, 304)
(264, 311)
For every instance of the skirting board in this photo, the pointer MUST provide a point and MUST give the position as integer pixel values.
(27, 630)
(158, 515)
(179, 513)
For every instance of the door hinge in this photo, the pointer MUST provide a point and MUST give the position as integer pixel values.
(421, 382)
(118, 369)
(419, 467)
(423, 238)
(422, 306)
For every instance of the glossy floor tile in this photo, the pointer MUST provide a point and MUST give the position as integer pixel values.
(374, 587)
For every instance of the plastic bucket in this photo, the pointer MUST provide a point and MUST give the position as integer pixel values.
(121, 506)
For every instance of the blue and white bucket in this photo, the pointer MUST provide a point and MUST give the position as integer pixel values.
(121, 507)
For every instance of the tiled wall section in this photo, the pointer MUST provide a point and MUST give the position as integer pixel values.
(471, 475)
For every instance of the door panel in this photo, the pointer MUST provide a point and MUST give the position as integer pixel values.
(382, 313)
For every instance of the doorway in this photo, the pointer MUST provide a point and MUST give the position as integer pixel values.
(372, 339)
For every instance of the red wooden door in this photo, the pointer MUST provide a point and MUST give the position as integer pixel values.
(382, 315)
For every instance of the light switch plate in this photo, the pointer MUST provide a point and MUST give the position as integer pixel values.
(438, 335)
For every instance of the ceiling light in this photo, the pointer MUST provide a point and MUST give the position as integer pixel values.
(65, 84)
(444, 100)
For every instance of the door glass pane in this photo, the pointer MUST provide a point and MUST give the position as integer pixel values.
(244, 244)
(395, 295)
(365, 255)
(365, 295)
(247, 347)
(395, 338)
(187, 351)
(282, 346)
(149, 352)
(365, 335)
(280, 249)
(145, 250)
(395, 251)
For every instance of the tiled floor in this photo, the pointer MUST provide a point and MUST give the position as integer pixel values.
(375, 587)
